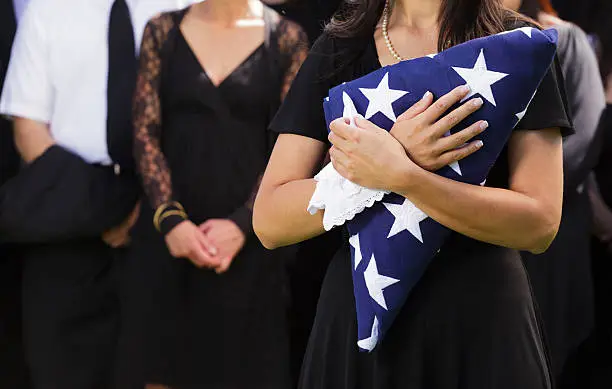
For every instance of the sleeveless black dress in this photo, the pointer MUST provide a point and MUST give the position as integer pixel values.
(185, 327)
(470, 323)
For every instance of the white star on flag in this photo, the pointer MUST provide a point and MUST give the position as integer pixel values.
(376, 283)
(407, 217)
(349, 111)
(369, 343)
(521, 114)
(480, 78)
(525, 30)
(381, 99)
(455, 165)
(354, 242)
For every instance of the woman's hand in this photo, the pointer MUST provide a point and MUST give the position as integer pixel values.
(187, 241)
(228, 237)
(367, 155)
(422, 131)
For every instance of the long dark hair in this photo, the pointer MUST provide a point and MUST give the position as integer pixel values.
(460, 20)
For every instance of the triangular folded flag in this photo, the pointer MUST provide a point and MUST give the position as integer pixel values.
(392, 242)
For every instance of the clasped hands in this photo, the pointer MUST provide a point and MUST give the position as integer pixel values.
(212, 245)
(374, 158)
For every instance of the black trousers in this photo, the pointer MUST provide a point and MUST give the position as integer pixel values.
(57, 208)
(71, 314)
(13, 371)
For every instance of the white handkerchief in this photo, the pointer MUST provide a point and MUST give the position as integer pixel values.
(340, 198)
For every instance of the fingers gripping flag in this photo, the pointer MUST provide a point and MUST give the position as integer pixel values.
(392, 241)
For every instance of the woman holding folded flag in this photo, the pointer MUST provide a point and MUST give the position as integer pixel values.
(470, 321)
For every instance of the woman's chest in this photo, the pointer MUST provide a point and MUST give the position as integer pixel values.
(244, 94)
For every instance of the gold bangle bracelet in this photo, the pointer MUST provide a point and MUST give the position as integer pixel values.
(162, 208)
(158, 213)
(167, 214)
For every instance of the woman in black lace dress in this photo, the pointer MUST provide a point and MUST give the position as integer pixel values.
(205, 302)
(470, 322)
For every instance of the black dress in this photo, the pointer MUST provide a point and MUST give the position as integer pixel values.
(470, 322)
(206, 147)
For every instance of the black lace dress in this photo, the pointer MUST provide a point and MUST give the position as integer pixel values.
(206, 147)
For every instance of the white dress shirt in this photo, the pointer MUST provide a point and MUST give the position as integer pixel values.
(19, 6)
(59, 68)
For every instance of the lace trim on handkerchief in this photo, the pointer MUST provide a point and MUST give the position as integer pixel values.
(341, 199)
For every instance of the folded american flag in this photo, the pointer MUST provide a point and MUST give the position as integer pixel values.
(392, 242)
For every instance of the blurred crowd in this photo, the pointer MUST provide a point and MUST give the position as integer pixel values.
(119, 152)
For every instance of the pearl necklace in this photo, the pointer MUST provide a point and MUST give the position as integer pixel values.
(385, 32)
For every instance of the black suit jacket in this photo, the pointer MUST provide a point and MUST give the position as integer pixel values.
(9, 159)
(59, 196)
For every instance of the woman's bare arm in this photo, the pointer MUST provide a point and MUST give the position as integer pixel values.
(525, 217)
(280, 216)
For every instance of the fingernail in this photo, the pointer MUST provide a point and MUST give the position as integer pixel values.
(213, 251)
(479, 144)
(465, 88)
(426, 95)
(484, 125)
(477, 102)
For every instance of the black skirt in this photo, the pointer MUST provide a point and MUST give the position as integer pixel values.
(469, 323)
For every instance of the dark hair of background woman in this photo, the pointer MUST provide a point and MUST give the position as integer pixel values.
(460, 20)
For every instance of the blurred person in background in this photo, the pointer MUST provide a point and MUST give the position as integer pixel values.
(600, 192)
(207, 303)
(13, 372)
(68, 91)
(561, 278)
(594, 17)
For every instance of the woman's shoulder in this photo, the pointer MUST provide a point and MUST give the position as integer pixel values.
(163, 22)
(291, 35)
(340, 54)
(572, 35)
(329, 43)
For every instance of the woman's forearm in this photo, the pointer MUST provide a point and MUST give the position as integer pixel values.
(280, 216)
(497, 216)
